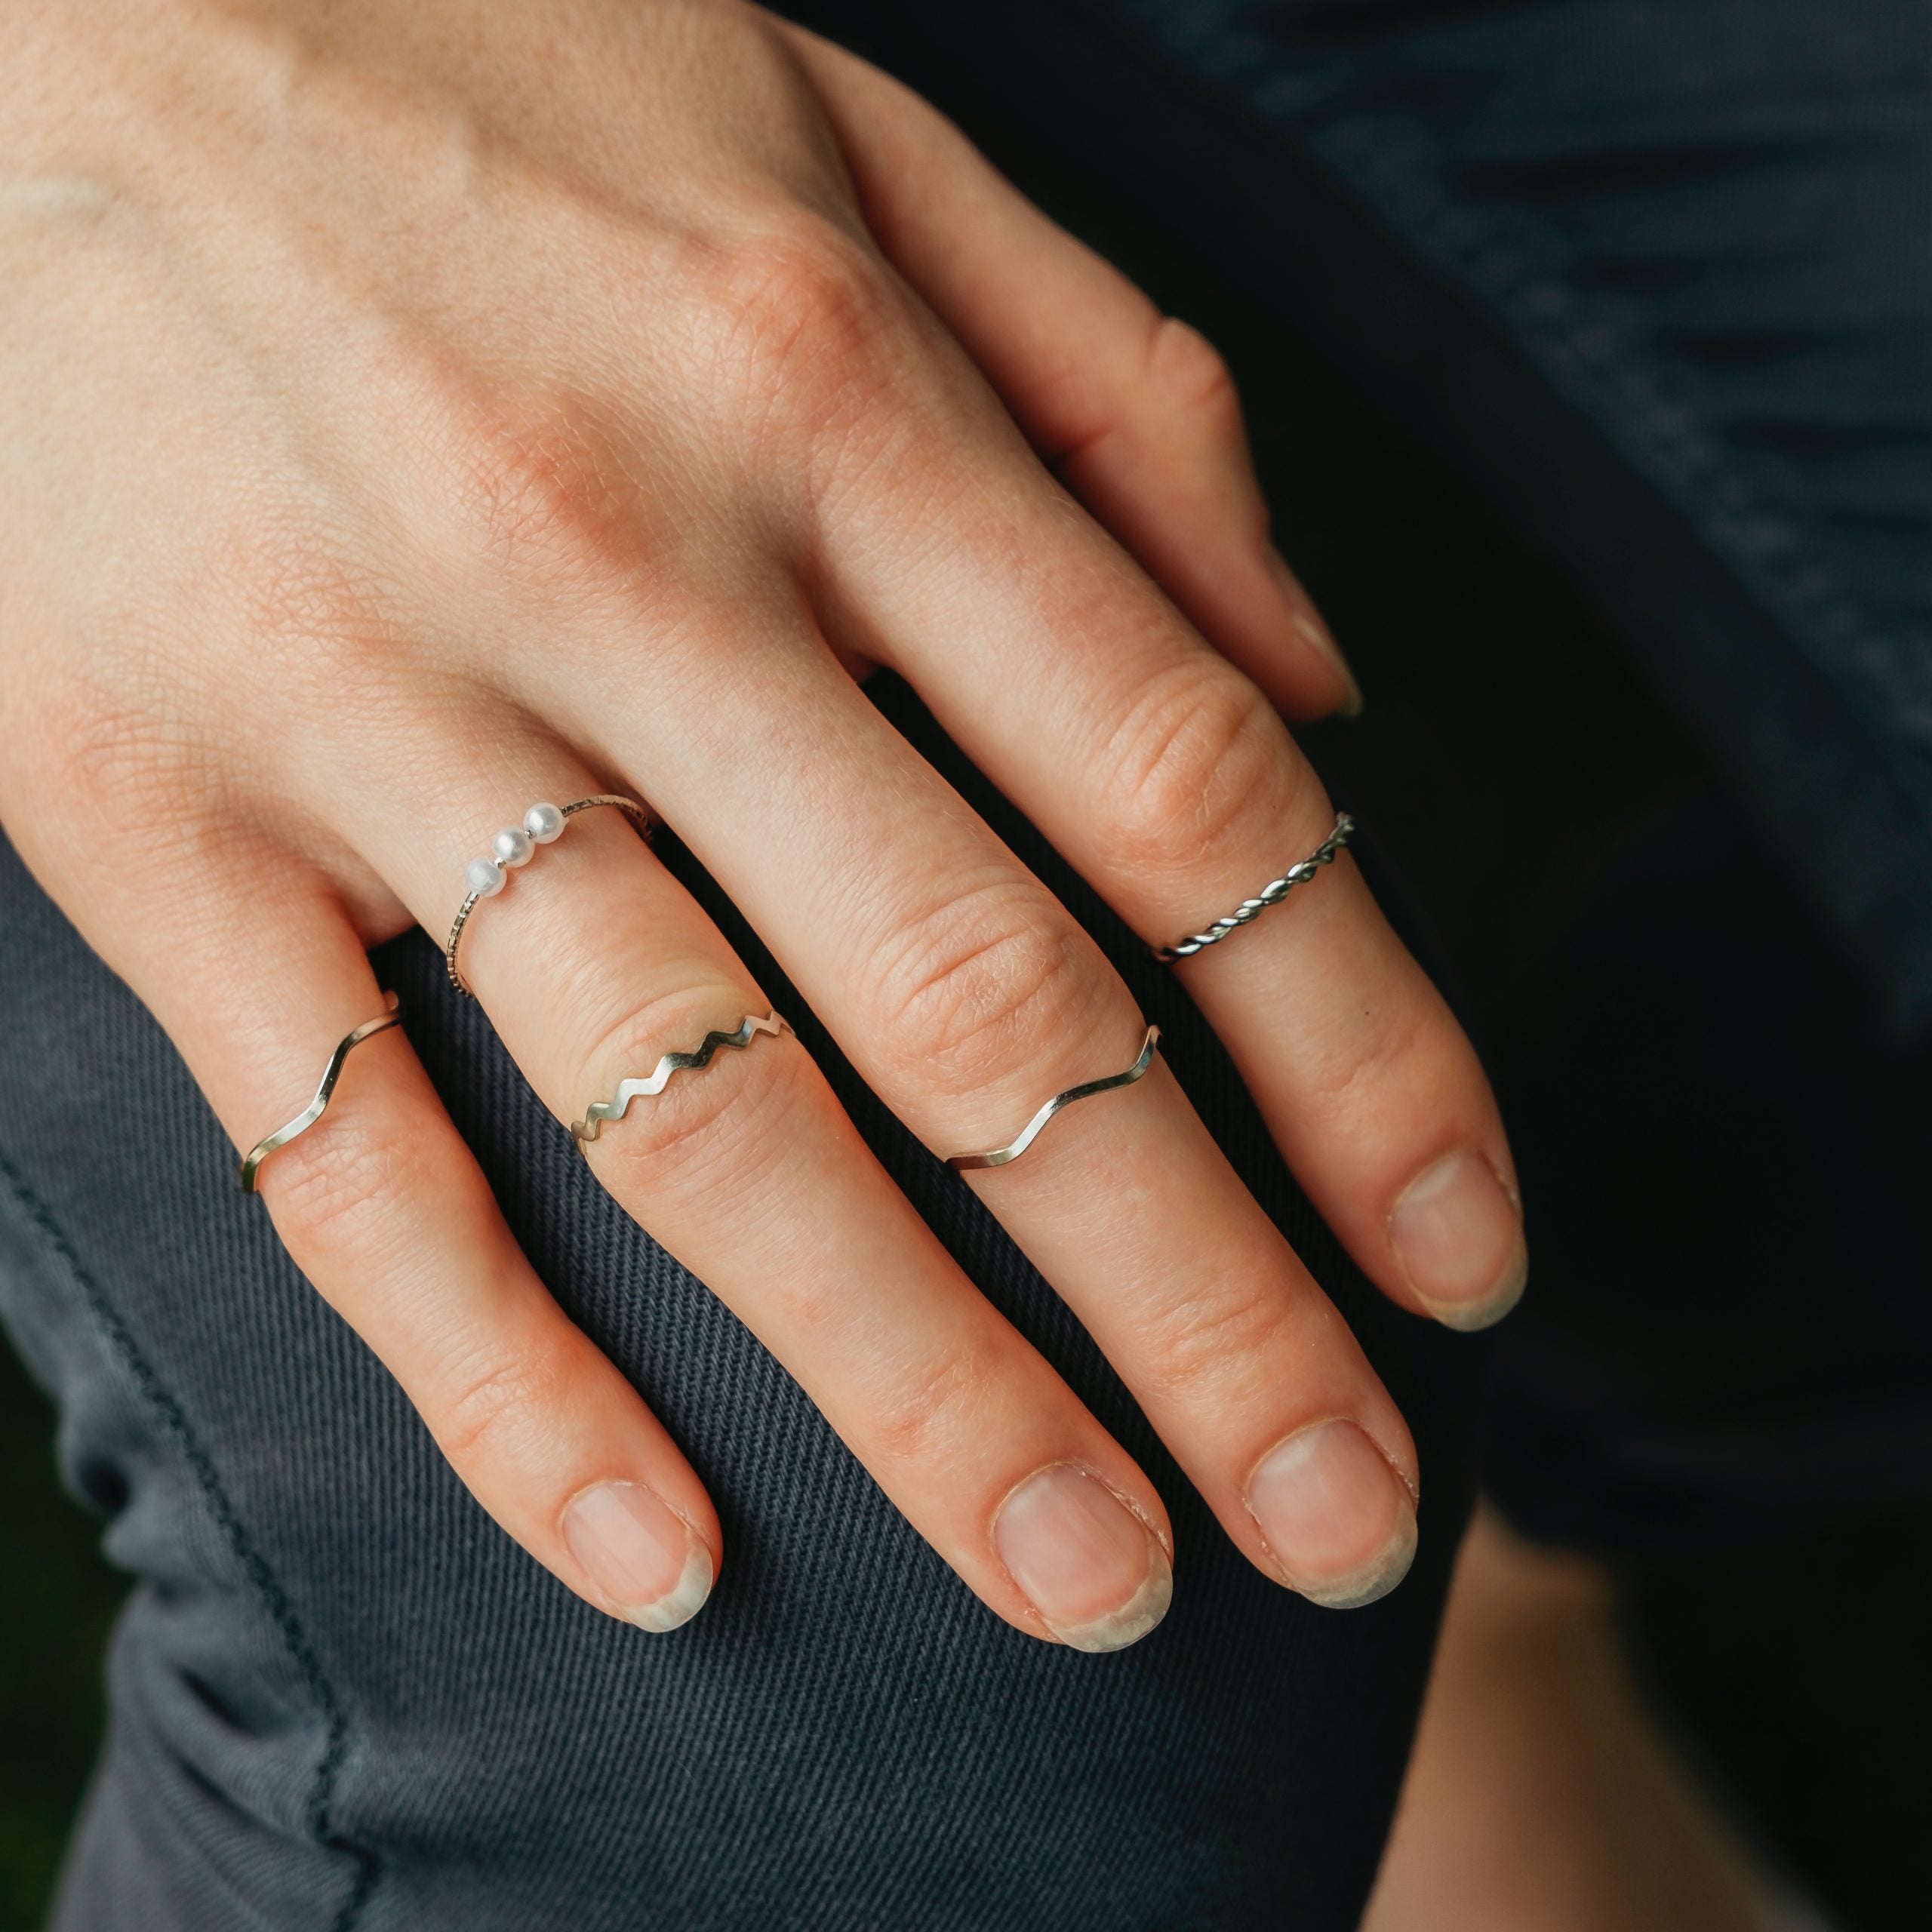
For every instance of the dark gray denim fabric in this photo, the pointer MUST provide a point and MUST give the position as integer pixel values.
(342, 1698)
(1654, 276)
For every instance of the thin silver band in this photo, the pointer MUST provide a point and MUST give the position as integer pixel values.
(251, 1161)
(586, 1130)
(999, 1156)
(1272, 894)
(636, 813)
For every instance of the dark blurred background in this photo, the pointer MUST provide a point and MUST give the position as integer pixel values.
(1508, 753)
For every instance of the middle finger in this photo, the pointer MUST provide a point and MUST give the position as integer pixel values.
(967, 996)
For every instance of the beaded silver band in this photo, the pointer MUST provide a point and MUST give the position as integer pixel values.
(998, 1157)
(251, 1161)
(1272, 894)
(516, 845)
(599, 1112)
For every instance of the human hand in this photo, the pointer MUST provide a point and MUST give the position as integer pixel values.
(411, 414)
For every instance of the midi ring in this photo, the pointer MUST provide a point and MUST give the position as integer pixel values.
(998, 1157)
(586, 1130)
(251, 1161)
(516, 845)
(1272, 894)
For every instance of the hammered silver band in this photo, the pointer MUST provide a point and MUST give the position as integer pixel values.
(251, 1161)
(599, 1112)
(1272, 894)
(998, 1157)
(515, 846)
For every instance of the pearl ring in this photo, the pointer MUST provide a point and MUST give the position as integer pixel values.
(516, 845)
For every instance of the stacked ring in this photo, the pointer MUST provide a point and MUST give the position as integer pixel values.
(1272, 894)
(251, 1161)
(515, 846)
(648, 1087)
(998, 1157)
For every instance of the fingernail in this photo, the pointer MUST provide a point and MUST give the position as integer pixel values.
(1319, 635)
(1091, 1568)
(650, 1565)
(1339, 1521)
(1307, 621)
(1458, 1234)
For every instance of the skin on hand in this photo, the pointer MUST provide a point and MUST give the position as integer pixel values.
(410, 415)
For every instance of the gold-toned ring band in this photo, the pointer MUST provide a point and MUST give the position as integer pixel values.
(599, 1112)
(251, 1161)
(515, 846)
(998, 1157)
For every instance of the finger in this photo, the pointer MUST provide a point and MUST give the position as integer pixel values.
(382, 1206)
(967, 996)
(1136, 410)
(1165, 777)
(595, 964)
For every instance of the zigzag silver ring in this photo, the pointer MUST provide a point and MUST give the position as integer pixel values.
(516, 845)
(1272, 894)
(599, 1112)
(998, 1157)
(251, 1161)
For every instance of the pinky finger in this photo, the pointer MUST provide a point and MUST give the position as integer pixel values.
(382, 1207)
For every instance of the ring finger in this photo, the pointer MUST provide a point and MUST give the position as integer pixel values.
(1167, 779)
(967, 996)
(595, 964)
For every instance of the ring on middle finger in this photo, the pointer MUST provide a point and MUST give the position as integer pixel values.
(649, 1086)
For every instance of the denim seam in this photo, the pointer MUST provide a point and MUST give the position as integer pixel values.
(1380, 164)
(1584, 352)
(254, 1565)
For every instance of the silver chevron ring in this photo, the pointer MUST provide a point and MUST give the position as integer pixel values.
(998, 1157)
(251, 1161)
(599, 1112)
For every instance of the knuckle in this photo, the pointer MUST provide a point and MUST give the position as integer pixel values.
(1201, 760)
(315, 623)
(1186, 366)
(807, 321)
(1205, 1339)
(109, 745)
(930, 1408)
(1388, 1040)
(977, 983)
(500, 1409)
(547, 492)
(339, 1192)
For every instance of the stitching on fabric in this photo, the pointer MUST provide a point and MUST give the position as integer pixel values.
(1379, 167)
(254, 1565)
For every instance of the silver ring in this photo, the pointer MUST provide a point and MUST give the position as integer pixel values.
(1272, 894)
(586, 1130)
(251, 1161)
(516, 845)
(999, 1156)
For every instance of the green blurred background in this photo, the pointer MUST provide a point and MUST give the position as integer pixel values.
(1798, 1675)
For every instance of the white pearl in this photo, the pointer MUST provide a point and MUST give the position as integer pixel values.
(484, 877)
(513, 846)
(543, 823)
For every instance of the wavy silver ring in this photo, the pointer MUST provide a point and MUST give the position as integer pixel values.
(586, 1130)
(516, 845)
(999, 1156)
(251, 1161)
(1272, 894)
